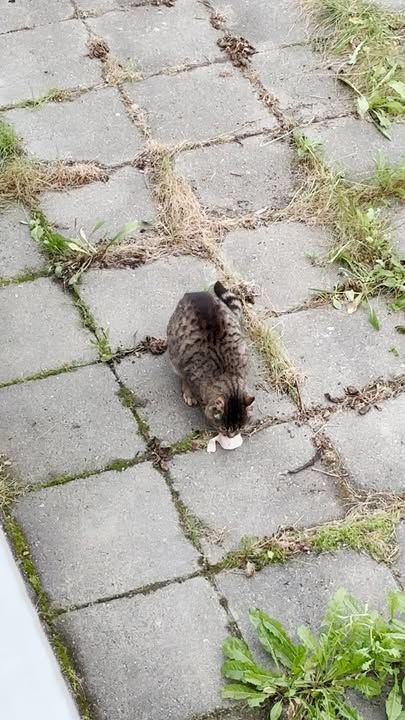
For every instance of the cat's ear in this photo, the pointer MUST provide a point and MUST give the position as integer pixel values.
(218, 407)
(249, 399)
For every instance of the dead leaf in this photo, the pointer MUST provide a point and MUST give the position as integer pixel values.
(250, 569)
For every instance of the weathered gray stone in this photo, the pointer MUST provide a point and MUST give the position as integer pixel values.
(297, 593)
(26, 13)
(18, 252)
(41, 330)
(396, 219)
(373, 447)
(238, 177)
(158, 653)
(297, 76)
(89, 7)
(149, 36)
(53, 56)
(200, 104)
(147, 296)
(351, 146)
(334, 349)
(275, 258)
(105, 535)
(265, 23)
(124, 198)
(401, 558)
(66, 424)
(154, 382)
(248, 492)
(92, 127)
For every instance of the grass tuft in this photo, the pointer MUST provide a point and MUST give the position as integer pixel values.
(368, 42)
(9, 145)
(361, 235)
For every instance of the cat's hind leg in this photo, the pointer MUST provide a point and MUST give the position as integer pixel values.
(188, 396)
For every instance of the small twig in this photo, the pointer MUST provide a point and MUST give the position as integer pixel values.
(324, 472)
(306, 465)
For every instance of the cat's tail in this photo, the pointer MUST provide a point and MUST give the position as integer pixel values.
(228, 297)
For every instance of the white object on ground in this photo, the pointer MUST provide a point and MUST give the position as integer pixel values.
(226, 443)
(32, 686)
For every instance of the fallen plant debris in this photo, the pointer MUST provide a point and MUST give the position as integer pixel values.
(155, 346)
(238, 49)
(362, 399)
(357, 649)
(98, 48)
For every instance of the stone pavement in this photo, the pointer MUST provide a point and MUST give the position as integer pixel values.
(126, 517)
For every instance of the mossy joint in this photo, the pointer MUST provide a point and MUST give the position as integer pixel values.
(43, 374)
(46, 613)
(373, 533)
(130, 401)
(23, 277)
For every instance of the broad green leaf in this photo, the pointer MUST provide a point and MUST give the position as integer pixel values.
(373, 319)
(273, 638)
(399, 87)
(233, 670)
(276, 710)
(125, 230)
(235, 691)
(368, 686)
(393, 704)
(345, 710)
(308, 639)
(235, 649)
(362, 105)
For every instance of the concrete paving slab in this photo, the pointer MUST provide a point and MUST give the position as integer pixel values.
(333, 350)
(141, 652)
(18, 252)
(249, 493)
(351, 146)
(372, 446)
(66, 424)
(92, 127)
(26, 14)
(41, 330)
(401, 559)
(158, 37)
(263, 23)
(277, 260)
(57, 58)
(105, 535)
(123, 199)
(299, 79)
(200, 104)
(148, 296)
(240, 177)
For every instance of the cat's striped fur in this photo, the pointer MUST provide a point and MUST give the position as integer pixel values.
(208, 350)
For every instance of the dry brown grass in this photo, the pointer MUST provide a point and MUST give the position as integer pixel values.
(181, 219)
(114, 73)
(22, 181)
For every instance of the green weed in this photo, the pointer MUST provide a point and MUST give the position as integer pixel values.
(9, 145)
(70, 258)
(357, 649)
(361, 235)
(368, 42)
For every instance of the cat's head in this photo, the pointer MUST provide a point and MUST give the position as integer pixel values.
(229, 415)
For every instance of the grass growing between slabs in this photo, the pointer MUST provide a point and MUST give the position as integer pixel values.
(22, 180)
(368, 43)
(372, 532)
(361, 235)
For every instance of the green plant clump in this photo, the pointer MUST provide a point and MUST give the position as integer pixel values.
(357, 649)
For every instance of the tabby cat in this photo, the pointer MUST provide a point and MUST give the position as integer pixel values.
(208, 350)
